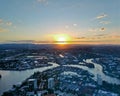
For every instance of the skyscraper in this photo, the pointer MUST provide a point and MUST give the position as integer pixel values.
(99, 79)
(51, 83)
(32, 83)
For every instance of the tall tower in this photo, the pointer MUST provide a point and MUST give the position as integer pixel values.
(32, 83)
(51, 83)
(99, 79)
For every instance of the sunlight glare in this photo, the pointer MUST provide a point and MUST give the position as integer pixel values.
(62, 38)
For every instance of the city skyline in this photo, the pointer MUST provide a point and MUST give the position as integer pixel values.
(76, 21)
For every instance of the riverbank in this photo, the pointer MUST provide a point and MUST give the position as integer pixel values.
(26, 68)
(99, 70)
(76, 80)
(107, 68)
(10, 78)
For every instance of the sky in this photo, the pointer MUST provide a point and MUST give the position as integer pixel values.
(39, 21)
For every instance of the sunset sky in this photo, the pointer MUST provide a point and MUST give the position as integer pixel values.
(41, 21)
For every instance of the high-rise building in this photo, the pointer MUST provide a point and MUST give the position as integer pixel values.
(32, 83)
(51, 83)
(99, 79)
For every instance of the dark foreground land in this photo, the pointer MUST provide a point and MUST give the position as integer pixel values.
(63, 80)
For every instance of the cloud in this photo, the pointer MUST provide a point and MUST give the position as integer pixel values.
(101, 16)
(97, 29)
(74, 24)
(100, 35)
(66, 26)
(98, 38)
(43, 1)
(105, 22)
(80, 37)
(30, 41)
(114, 36)
(9, 23)
(5, 23)
(3, 30)
(93, 30)
(102, 29)
(21, 41)
(107, 36)
(14, 27)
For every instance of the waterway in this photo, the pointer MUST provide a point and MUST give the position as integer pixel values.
(97, 70)
(10, 78)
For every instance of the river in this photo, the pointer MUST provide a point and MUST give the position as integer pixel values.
(10, 78)
(97, 70)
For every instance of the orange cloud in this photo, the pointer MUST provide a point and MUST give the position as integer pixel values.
(3, 30)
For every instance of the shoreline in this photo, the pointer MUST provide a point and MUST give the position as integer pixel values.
(104, 71)
(25, 68)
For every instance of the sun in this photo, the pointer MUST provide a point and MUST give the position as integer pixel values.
(62, 38)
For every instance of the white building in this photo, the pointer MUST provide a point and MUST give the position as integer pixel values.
(51, 83)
